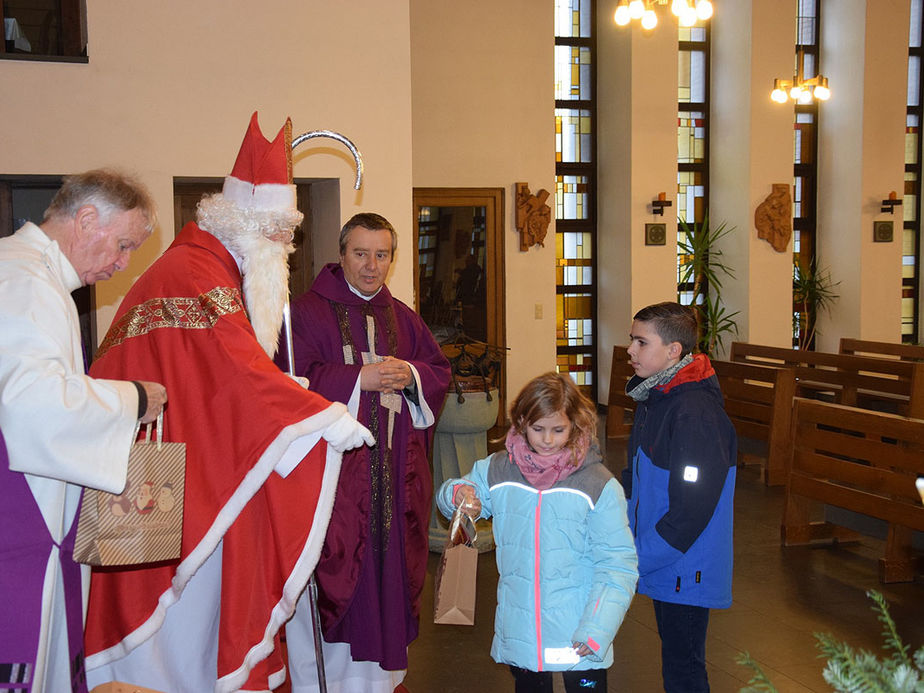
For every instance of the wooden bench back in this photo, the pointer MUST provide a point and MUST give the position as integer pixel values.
(859, 460)
(758, 400)
(865, 347)
(620, 408)
(859, 381)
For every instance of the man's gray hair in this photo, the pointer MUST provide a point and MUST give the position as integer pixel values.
(370, 221)
(108, 190)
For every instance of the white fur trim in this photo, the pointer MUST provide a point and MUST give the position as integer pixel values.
(226, 516)
(265, 197)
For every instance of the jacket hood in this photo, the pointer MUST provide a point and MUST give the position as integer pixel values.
(696, 374)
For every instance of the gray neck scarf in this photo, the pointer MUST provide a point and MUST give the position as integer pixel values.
(640, 392)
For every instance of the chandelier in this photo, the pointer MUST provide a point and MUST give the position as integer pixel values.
(688, 12)
(799, 89)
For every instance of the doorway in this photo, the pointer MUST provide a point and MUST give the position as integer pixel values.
(459, 282)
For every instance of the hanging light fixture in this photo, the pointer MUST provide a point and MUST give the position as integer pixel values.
(688, 12)
(799, 89)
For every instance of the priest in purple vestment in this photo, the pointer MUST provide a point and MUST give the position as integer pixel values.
(359, 345)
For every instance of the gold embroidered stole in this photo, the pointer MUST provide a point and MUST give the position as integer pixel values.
(381, 469)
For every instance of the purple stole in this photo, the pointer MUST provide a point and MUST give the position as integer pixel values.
(25, 545)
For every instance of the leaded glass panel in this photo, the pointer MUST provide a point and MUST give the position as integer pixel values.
(909, 248)
(690, 192)
(691, 137)
(912, 133)
(806, 23)
(572, 135)
(910, 197)
(572, 73)
(691, 75)
(804, 138)
(914, 37)
(572, 18)
(692, 34)
(914, 80)
(578, 367)
(571, 197)
(575, 319)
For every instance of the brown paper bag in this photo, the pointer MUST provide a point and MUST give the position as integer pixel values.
(454, 590)
(144, 523)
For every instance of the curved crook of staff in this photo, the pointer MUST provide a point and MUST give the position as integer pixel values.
(357, 157)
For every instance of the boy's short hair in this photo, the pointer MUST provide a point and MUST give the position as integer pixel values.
(672, 322)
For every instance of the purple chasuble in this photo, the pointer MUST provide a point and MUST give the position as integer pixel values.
(25, 545)
(374, 559)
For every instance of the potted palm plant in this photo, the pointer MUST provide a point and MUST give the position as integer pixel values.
(813, 294)
(703, 268)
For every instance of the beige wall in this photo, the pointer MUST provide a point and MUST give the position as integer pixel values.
(861, 159)
(169, 90)
(751, 149)
(483, 116)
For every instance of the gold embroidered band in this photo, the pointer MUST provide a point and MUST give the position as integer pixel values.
(193, 313)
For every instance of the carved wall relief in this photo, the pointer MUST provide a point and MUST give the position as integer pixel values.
(773, 218)
(533, 216)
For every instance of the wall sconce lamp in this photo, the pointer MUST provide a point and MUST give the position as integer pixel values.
(659, 203)
(891, 203)
(688, 12)
(798, 88)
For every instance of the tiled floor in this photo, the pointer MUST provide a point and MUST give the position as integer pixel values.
(781, 596)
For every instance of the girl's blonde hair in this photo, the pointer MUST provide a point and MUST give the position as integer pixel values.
(548, 394)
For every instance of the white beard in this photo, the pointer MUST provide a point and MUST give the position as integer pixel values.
(266, 289)
(264, 263)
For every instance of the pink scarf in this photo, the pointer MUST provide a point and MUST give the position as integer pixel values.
(543, 471)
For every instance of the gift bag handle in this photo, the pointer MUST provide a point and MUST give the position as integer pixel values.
(158, 435)
(463, 527)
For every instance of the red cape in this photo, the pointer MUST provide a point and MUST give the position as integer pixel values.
(183, 324)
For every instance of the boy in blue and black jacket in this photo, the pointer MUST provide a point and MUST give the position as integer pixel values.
(680, 482)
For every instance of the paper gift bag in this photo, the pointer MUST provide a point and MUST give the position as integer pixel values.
(144, 523)
(454, 591)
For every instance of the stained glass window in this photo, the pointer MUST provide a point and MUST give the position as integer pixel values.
(691, 137)
(572, 72)
(691, 76)
(805, 147)
(911, 199)
(692, 141)
(575, 172)
(573, 18)
(573, 135)
(571, 194)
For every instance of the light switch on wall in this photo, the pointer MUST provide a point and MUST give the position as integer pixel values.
(538, 311)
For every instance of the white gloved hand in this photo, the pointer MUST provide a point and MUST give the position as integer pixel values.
(347, 433)
(299, 380)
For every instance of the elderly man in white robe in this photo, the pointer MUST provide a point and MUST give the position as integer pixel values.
(62, 429)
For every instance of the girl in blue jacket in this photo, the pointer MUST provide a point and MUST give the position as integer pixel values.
(565, 554)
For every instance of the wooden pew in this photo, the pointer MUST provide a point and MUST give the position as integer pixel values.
(758, 400)
(620, 408)
(865, 347)
(858, 381)
(864, 462)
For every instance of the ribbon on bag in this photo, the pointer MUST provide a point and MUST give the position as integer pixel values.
(454, 591)
(144, 523)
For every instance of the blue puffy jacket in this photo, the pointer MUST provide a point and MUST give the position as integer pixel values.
(681, 484)
(566, 561)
